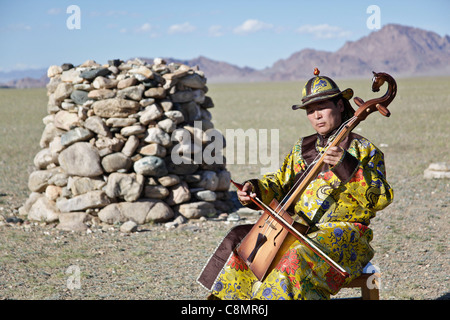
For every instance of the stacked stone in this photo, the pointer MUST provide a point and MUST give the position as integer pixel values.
(107, 146)
(438, 170)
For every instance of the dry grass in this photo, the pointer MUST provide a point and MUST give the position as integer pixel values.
(411, 235)
(21, 126)
(416, 134)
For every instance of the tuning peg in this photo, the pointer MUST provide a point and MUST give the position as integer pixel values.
(383, 110)
(359, 102)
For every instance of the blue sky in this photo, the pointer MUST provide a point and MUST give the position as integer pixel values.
(34, 34)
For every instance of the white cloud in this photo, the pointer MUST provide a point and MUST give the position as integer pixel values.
(19, 66)
(16, 27)
(216, 31)
(114, 14)
(181, 28)
(54, 11)
(323, 31)
(146, 27)
(251, 26)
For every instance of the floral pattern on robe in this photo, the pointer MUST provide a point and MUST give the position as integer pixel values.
(339, 203)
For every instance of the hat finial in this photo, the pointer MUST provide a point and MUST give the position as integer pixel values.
(316, 71)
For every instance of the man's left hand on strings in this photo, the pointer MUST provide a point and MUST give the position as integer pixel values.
(333, 155)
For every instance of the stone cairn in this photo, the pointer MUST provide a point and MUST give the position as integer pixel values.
(439, 170)
(107, 145)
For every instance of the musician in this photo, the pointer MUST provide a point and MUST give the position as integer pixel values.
(337, 205)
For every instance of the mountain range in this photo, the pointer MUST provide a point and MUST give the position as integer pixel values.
(396, 49)
(399, 50)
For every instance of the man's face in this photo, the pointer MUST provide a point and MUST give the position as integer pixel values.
(325, 116)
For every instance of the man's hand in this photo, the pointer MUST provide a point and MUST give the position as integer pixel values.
(333, 155)
(245, 194)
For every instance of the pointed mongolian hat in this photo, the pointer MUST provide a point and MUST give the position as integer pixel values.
(321, 88)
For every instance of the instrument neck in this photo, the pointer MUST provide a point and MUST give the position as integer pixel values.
(312, 173)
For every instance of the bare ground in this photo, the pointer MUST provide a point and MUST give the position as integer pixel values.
(411, 236)
(41, 262)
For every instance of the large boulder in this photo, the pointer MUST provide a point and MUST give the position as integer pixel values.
(73, 221)
(115, 108)
(92, 199)
(142, 211)
(151, 166)
(195, 210)
(44, 210)
(81, 159)
(126, 186)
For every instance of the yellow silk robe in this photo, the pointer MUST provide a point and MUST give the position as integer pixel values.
(339, 204)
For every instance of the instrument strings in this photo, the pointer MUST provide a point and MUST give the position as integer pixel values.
(316, 159)
(270, 225)
(281, 206)
(276, 214)
(306, 240)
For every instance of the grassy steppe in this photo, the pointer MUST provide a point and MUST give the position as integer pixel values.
(21, 127)
(411, 235)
